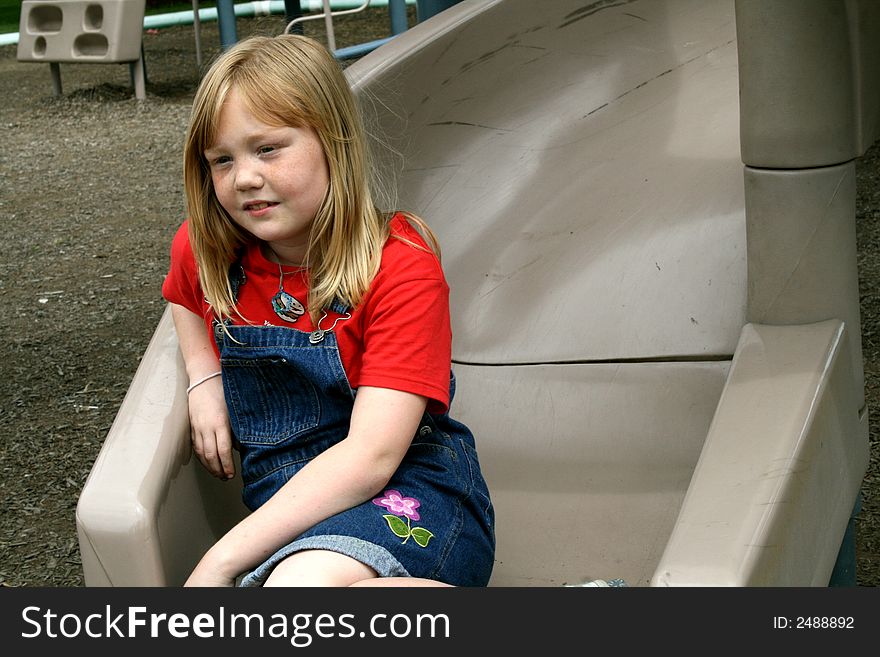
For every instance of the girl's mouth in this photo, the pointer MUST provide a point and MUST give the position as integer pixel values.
(258, 207)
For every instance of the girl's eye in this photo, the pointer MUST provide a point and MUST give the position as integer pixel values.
(266, 149)
(223, 159)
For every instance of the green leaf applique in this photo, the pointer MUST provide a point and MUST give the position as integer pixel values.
(405, 531)
(398, 526)
(421, 536)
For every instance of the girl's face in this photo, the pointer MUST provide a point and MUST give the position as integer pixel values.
(270, 179)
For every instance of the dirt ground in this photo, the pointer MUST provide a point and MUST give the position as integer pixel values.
(90, 189)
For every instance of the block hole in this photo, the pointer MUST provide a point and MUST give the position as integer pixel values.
(40, 46)
(91, 45)
(94, 17)
(45, 18)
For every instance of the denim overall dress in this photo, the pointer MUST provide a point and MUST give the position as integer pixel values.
(289, 399)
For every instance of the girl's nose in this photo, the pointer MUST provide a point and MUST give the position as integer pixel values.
(247, 176)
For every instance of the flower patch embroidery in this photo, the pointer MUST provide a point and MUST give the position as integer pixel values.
(399, 505)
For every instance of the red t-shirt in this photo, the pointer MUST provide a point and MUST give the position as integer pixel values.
(398, 337)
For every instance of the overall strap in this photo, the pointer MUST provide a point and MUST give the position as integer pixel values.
(338, 307)
(237, 278)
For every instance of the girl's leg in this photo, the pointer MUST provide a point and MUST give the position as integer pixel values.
(319, 568)
(328, 568)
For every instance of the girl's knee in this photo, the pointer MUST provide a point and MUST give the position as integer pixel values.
(319, 568)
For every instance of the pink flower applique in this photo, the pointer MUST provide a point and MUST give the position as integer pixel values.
(403, 506)
(398, 504)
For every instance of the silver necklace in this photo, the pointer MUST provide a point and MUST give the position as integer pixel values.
(285, 305)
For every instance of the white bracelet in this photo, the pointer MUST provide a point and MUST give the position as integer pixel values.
(201, 381)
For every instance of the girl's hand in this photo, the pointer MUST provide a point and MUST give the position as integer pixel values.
(211, 434)
(208, 417)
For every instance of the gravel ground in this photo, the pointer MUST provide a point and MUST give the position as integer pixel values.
(90, 186)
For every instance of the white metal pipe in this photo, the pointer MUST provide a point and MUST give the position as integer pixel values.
(328, 25)
(328, 14)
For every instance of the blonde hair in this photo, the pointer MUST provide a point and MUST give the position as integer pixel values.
(289, 80)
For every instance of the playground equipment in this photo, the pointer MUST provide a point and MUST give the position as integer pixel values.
(76, 30)
(83, 31)
(657, 348)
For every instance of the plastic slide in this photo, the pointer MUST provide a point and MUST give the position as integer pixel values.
(646, 210)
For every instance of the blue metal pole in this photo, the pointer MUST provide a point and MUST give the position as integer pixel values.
(360, 49)
(844, 573)
(226, 23)
(397, 14)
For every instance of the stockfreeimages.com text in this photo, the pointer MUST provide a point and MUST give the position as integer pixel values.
(299, 629)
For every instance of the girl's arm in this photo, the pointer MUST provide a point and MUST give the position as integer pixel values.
(209, 419)
(383, 423)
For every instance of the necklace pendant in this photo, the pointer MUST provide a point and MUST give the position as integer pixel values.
(287, 307)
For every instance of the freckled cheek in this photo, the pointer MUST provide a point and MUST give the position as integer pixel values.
(223, 191)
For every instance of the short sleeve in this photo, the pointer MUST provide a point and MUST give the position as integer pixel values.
(181, 285)
(407, 339)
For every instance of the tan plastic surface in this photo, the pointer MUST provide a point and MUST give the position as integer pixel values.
(587, 464)
(582, 170)
(148, 510)
(802, 250)
(93, 31)
(810, 72)
(781, 467)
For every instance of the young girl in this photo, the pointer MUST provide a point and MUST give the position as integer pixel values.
(315, 332)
